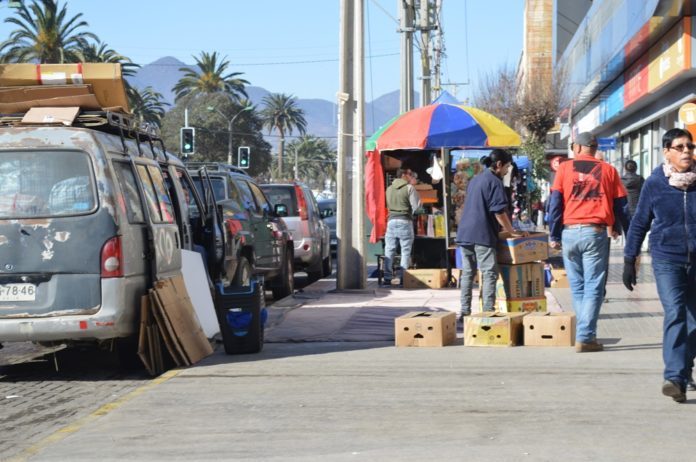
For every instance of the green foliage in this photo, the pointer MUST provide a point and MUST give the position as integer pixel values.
(316, 160)
(148, 105)
(537, 156)
(281, 113)
(211, 130)
(45, 34)
(210, 78)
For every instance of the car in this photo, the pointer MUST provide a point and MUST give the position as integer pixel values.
(327, 210)
(261, 242)
(309, 233)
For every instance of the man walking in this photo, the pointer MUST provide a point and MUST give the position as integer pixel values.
(587, 198)
(402, 201)
(633, 184)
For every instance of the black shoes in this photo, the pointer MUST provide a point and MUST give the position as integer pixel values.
(462, 315)
(674, 391)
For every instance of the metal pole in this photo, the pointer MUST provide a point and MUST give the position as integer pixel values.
(359, 273)
(229, 141)
(406, 29)
(296, 173)
(425, 52)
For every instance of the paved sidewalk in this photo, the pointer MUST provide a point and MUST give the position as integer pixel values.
(367, 400)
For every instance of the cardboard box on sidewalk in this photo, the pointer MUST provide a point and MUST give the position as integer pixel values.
(549, 329)
(425, 278)
(516, 250)
(519, 305)
(559, 279)
(426, 329)
(493, 329)
(519, 281)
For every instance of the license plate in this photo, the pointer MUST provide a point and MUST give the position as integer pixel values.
(17, 292)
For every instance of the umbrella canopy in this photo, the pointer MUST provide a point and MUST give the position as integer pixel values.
(442, 126)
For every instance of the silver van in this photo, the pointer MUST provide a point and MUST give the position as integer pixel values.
(89, 218)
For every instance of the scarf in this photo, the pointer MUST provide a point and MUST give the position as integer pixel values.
(681, 180)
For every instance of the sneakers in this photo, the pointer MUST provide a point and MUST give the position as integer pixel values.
(588, 347)
(674, 391)
(462, 315)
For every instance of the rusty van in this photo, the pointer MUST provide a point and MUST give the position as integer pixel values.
(90, 215)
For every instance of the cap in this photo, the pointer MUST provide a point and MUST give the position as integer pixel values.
(586, 139)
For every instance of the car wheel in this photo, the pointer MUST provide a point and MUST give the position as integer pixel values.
(327, 266)
(242, 278)
(287, 276)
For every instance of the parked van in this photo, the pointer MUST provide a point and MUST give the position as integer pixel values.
(89, 219)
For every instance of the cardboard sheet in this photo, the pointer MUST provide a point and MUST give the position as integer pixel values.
(197, 287)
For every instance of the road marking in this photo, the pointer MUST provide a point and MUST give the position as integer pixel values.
(74, 427)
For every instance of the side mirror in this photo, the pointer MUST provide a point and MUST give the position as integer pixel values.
(281, 210)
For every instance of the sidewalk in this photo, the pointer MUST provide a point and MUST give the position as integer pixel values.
(357, 397)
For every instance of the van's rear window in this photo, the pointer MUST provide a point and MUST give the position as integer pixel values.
(45, 184)
(282, 195)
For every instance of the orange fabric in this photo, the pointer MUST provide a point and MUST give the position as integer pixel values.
(589, 187)
(410, 132)
(375, 203)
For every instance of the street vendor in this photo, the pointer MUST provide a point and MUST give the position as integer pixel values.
(485, 213)
(402, 202)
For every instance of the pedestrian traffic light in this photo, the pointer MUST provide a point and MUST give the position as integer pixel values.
(243, 156)
(188, 137)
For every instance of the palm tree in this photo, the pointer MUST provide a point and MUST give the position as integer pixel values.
(282, 114)
(45, 34)
(210, 78)
(147, 105)
(99, 52)
(316, 160)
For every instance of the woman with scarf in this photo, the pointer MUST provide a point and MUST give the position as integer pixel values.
(667, 207)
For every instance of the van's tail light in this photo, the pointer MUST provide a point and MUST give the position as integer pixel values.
(112, 259)
(301, 203)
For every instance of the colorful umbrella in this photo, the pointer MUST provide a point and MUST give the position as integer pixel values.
(442, 126)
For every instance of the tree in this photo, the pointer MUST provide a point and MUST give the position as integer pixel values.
(45, 34)
(210, 78)
(316, 160)
(497, 94)
(211, 129)
(148, 105)
(99, 52)
(282, 114)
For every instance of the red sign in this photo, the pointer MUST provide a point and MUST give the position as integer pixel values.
(555, 162)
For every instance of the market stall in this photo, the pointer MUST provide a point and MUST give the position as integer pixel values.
(422, 140)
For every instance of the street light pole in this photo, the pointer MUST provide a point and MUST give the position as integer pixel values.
(230, 124)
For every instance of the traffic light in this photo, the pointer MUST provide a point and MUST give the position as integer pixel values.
(243, 156)
(188, 137)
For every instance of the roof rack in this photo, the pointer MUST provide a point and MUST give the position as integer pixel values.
(215, 167)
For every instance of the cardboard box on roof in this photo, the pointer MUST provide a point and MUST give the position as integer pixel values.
(517, 250)
(425, 329)
(425, 278)
(549, 329)
(105, 79)
(493, 329)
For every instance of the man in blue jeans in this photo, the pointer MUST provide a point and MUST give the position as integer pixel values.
(587, 198)
(402, 201)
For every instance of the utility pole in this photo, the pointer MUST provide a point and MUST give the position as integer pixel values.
(437, 51)
(351, 272)
(406, 28)
(425, 27)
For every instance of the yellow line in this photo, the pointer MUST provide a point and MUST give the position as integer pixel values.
(74, 427)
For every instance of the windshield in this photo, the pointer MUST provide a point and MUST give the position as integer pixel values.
(282, 195)
(327, 208)
(218, 187)
(45, 184)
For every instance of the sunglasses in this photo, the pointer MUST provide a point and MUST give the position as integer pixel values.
(681, 147)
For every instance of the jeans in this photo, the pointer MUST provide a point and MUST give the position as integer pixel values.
(586, 259)
(676, 286)
(401, 232)
(486, 259)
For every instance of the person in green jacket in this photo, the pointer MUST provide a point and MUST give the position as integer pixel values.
(402, 202)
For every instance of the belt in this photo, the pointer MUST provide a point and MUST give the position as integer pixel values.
(586, 225)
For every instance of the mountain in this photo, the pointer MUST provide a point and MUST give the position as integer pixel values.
(320, 114)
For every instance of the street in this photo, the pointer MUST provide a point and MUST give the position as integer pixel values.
(349, 400)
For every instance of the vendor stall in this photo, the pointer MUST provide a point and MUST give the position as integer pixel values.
(421, 140)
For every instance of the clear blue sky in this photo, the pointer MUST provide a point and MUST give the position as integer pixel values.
(292, 46)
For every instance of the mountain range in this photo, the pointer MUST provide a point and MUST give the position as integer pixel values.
(320, 114)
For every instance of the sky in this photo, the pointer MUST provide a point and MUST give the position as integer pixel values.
(292, 46)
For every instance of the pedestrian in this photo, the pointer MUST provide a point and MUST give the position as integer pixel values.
(587, 198)
(523, 223)
(486, 208)
(633, 184)
(402, 201)
(667, 208)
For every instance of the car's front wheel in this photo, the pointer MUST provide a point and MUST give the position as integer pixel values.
(242, 278)
(287, 277)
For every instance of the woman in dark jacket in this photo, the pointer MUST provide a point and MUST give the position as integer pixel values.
(667, 207)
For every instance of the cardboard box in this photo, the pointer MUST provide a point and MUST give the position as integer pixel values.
(516, 250)
(105, 79)
(559, 279)
(519, 305)
(493, 329)
(425, 279)
(549, 329)
(519, 281)
(427, 195)
(51, 115)
(426, 329)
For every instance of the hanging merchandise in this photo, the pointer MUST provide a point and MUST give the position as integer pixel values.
(435, 171)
